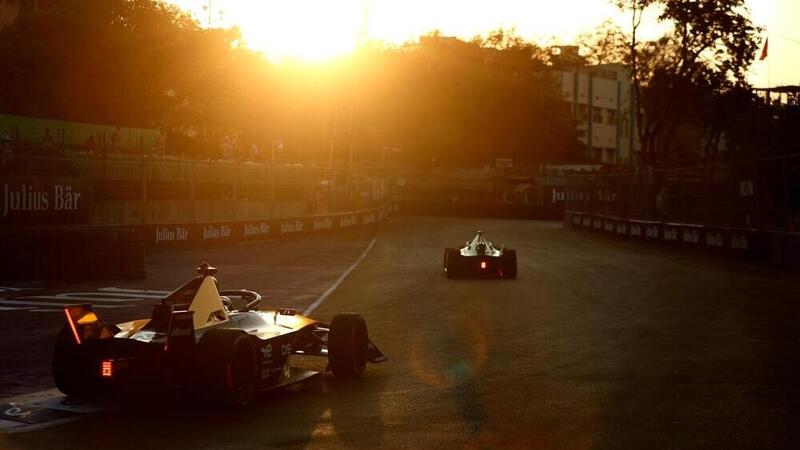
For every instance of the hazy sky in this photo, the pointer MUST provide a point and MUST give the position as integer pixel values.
(316, 29)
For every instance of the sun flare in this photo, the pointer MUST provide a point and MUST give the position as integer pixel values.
(319, 30)
(314, 30)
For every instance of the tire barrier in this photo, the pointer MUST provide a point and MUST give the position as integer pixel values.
(767, 245)
(71, 254)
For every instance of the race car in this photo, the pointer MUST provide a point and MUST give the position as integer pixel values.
(197, 345)
(479, 258)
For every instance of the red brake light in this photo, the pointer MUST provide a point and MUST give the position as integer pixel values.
(107, 368)
(483, 264)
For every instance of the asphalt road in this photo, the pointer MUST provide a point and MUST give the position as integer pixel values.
(598, 344)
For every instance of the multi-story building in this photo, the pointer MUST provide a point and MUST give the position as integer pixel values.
(601, 97)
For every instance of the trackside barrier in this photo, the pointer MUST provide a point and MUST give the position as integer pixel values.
(773, 246)
(166, 236)
(78, 254)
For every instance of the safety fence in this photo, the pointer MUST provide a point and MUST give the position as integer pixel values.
(763, 193)
(83, 190)
(777, 247)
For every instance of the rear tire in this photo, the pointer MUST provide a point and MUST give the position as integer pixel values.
(450, 257)
(510, 263)
(228, 367)
(347, 346)
(71, 370)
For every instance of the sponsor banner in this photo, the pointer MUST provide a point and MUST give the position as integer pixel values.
(636, 229)
(671, 232)
(348, 220)
(652, 231)
(40, 200)
(692, 235)
(293, 227)
(715, 239)
(321, 224)
(622, 228)
(219, 232)
(369, 218)
(176, 235)
(258, 230)
(191, 234)
(754, 243)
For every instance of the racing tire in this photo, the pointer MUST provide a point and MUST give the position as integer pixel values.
(450, 257)
(347, 346)
(228, 367)
(509, 263)
(71, 370)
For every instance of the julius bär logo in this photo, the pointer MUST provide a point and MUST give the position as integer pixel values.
(25, 198)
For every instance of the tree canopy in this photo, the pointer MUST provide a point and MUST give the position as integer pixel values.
(145, 63)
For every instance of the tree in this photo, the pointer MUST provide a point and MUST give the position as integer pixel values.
(685, 77)
(606, 45)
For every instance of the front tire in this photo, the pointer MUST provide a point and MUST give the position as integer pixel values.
(347, 346)
(228, 367)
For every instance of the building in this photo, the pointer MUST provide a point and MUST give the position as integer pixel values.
(601, 99)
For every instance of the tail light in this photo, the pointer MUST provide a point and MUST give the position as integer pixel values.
(483, 264)
(107, 368)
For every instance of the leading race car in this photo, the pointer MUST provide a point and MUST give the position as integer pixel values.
(196, 344)
(479, 258)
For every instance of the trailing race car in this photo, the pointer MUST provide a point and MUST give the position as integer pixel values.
(479, 258)
(197, 345)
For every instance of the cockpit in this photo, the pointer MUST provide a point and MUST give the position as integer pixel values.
(200, 295)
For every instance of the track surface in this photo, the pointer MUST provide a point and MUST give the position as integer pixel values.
(598, 344)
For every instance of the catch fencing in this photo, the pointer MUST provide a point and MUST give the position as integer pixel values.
(759, 194)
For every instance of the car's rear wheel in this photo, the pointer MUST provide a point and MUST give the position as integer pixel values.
(70, 367)
(347, 345)
(228, 367)
(509, 263)
(450, 256)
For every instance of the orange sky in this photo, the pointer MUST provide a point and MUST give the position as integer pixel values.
(318, 29)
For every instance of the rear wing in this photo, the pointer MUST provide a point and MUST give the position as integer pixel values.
(85, 324)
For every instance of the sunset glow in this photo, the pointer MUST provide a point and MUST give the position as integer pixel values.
(316, 30)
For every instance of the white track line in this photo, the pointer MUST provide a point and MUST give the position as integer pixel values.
(335, 285)
(135, 291)
(38, 303)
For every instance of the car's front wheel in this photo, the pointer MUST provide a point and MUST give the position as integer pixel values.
(347, 345)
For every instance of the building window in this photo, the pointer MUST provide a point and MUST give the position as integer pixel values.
(597, 115)
(583, 113)
(611, 115)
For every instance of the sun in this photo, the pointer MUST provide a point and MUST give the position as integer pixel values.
(306, 30)
(318, 30)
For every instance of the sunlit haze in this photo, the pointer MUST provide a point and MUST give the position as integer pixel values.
(313, 30)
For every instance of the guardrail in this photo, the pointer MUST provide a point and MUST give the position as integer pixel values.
(776, 247)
